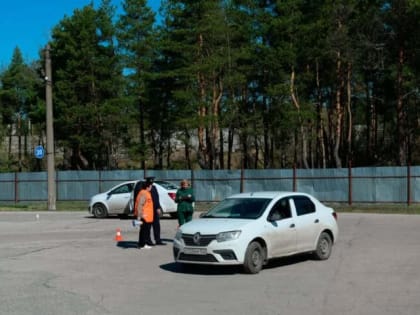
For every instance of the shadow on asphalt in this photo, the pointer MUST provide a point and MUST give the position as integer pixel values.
(133, 244)
(201, 269)
(112, 217)
(124, 217)
(286, 261)
(211, 270)
(127, 244)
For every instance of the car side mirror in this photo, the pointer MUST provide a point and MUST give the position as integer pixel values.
(273, 217)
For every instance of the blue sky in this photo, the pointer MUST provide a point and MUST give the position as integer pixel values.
(27, 24)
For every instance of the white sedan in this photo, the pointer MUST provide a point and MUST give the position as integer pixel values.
(118, 199)
(250, 228)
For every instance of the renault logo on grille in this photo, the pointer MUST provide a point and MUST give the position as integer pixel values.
(196, 238)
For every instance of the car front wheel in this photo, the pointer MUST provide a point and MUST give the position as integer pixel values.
(254, 258)
(99, 211)
(324, 247)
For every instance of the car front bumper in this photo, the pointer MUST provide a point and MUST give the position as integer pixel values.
(215, 253)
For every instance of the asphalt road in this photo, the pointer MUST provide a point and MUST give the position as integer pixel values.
(69, 263)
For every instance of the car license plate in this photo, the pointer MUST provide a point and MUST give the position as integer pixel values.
(195, 251)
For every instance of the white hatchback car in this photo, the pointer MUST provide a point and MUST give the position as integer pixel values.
(250, 228)
(167, 194)
(118, 199)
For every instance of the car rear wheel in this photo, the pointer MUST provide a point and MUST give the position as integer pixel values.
(324, 247)
(99, 211)
(254, 258)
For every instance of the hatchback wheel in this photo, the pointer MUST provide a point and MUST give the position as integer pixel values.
(254, 258)
(324, 247)
(99, 211)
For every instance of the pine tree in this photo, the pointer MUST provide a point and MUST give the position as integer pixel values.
(87, 85)
(135, 40)
(18, 96)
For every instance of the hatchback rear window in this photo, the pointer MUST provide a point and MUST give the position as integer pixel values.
(167, 185)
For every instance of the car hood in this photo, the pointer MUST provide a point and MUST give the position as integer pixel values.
(99, 197)
(214, 226)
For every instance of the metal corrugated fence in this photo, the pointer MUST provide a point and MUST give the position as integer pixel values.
(344, 185)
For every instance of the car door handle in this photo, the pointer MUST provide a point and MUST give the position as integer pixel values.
(316, 221)
(292, 225)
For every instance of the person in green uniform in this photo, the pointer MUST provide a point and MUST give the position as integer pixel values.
(185, 200)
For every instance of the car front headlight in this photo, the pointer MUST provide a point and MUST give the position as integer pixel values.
(178, 235)
(228, 236)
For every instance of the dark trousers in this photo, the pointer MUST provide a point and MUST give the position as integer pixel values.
(156, 227)
(144, 233)
(184, 216)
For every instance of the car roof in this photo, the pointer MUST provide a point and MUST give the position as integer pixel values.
(127, 182)
(159, 183)
(267, 194)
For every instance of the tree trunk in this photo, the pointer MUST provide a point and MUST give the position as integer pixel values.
(169, 151)
(267, 155)
(222, 150)
(257, 151)
(244, 140)
(321, 156)
(401, 115)
(142, 137)
(349, 114)
(231, 134)
(215, 132)
(295, 101)
(338, 112)
(202, 154)
(266, 126)
(187, 149)
(10, 137)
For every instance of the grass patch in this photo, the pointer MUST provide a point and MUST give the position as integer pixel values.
(43, 206)
(378, 208)
(204, 206)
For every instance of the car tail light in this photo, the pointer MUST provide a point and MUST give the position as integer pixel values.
(335, 215)
(172, 195)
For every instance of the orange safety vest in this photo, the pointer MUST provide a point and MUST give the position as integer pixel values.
(147, 207)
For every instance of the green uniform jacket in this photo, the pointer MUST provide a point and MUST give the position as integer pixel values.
(185, 198)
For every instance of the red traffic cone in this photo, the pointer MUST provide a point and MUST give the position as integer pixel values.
(118, 236)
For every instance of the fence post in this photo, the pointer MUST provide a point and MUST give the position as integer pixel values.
(408, 184)
(294, 178)
(192, 178)
(57, 186)
(242, 180)
(16, 189)
(350, 181)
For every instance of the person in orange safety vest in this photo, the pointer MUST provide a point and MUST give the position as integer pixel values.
(143, 208)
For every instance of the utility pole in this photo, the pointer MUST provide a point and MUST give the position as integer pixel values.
(50, 132)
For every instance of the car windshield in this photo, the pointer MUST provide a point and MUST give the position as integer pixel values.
(239, 208)
(166, 185)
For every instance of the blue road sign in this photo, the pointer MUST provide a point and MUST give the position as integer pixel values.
(39, 152)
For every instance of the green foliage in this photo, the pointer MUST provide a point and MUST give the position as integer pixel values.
(88, 82)
(19, 98)
(238, 83)
(135, 35)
